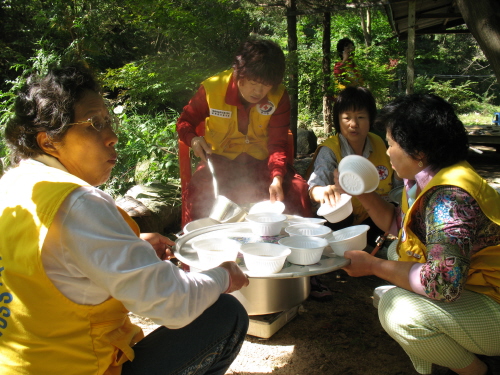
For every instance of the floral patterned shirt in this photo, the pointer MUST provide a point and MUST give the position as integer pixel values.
(450, 223)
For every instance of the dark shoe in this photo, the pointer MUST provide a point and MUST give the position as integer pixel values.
(320, 292)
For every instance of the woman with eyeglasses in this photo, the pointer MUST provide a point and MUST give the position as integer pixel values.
(72, 264)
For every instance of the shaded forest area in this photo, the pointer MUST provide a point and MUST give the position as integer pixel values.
(151, 56)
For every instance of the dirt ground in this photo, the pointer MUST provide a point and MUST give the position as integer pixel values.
(340, 337)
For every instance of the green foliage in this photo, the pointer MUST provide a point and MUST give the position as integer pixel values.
(150, 140)
(38, 64)
(461, 96)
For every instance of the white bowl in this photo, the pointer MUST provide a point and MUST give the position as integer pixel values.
(339, 212)
(305, 250)
(213, 251)
(266, 223)
(267, 206)
(357, 175)
(350, 238)
(200, 223)
(312, 230)
(294, 219)
(264, 258)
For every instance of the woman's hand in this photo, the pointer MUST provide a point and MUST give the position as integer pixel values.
(201, 148)
(276, 190)
(161, 244)
(237, 279)
(361, 263)
(326, 194)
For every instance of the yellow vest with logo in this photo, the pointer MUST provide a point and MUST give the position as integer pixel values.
(484, 272)
(41, 330)
(221, 126)
(381, 161)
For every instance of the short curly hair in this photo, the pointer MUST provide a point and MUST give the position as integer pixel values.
(425, 123)
(341, 44)
(46, 104)
(354, 99)
(260, 60)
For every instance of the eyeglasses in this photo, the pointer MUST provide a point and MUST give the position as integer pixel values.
(99, 124)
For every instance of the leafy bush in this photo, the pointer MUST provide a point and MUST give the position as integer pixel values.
(461, 96)
(150, 142)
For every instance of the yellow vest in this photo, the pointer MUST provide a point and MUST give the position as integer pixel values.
(381, 161)
(221, 126)
(484, 272)
(41, 330)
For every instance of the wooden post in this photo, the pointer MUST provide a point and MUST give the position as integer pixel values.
(410, 55)
(327, 74)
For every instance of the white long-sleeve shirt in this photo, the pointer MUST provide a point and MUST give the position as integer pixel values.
(90, 254)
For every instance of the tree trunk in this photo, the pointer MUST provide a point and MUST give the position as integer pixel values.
(366, 25)
(410, 55)
(293, 68)
(327, 74)
(482, 19)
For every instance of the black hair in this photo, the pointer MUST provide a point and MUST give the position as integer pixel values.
(354, 99)
(260, 60)
(341, 44)
(426, 123)
(46, 104)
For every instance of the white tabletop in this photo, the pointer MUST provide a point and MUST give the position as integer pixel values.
(242, 233)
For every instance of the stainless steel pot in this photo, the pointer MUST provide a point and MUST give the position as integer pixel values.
(267, 296)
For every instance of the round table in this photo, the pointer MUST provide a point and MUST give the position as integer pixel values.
(265, 294)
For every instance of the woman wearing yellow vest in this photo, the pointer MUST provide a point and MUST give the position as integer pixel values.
(444, 307)
(354, 113)
(72, 264)
(246, 112)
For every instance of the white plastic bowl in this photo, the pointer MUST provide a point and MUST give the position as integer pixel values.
(350, 238)
(266, 223)
(200, 223)
(267, 206)
(339, 212)
(264, 258)
(305, 250)
(294, 219)
(312, 230)
(357, 175)
(213, 251)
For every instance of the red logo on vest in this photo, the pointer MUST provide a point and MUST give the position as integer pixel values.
(266, 109)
